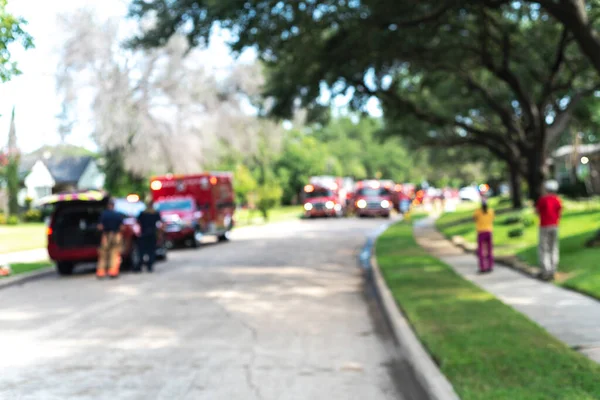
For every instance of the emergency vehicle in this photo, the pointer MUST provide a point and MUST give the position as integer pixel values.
(372, 198)
(192, 206)
(72, 231)
(325, 196)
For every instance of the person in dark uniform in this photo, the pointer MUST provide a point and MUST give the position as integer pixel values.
(111, 224)
(150, 224)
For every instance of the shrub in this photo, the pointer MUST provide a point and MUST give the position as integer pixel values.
(12, 220)
(512, 221)
(2, 219)
(574, 190)
(32, 216)
(528, 221)
(269, 196)
(515, 233)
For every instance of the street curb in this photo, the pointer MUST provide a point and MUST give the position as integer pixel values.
(26, 277)
(431, 380)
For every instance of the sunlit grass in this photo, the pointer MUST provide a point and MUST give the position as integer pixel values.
(485, 348)
(22, 237)
(245, 217)
(581, 220)
(21, 268)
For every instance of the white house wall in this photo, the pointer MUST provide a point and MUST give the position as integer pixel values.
(92, 177)
(38, 183)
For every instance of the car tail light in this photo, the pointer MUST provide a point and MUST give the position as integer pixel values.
(49, 231)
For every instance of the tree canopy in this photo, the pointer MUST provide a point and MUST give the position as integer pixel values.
(505, 76)
(11, 32)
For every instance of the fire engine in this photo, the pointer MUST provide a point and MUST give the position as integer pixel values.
(372, 198)
(192, 206)
(325, 196)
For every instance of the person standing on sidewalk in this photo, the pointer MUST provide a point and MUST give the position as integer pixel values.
(150, 224)
(111, 224)
(549, 209)
(484, 223)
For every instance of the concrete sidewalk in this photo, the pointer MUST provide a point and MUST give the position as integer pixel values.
(571, 317)
(29, 256)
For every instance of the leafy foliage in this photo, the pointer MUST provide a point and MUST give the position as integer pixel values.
(11, 32)
(500, 75)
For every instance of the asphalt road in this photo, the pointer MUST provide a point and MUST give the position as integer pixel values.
(280, 312)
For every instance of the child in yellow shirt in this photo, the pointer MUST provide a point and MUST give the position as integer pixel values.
(484, 222)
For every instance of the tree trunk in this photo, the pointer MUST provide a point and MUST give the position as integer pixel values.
(535, 174)
(516, 191)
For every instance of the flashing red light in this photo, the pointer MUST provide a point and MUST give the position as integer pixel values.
(213, 180)
(49, 231)
(309, 188)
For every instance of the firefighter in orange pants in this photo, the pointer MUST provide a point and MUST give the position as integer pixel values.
(111, 224)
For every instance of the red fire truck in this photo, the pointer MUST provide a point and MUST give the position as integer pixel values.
(192, 206)
(325, 196)
(372, 198)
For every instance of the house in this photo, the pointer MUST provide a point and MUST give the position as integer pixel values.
(570, 163)
(42, 176)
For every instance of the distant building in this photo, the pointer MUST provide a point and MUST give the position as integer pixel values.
(570, 163)
(46, 175)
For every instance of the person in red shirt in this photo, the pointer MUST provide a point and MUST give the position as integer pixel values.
(549, 208)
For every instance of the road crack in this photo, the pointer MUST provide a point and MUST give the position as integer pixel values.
(248, 367)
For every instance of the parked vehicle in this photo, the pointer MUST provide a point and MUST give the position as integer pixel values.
(73, 235)
(470, 193)
(192, 206)
(321, 201)
(371, 198)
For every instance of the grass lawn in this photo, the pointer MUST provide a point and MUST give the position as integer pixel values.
(247, 217)
(579, 223)
(485, 348)
(22, 237)
(27, 267)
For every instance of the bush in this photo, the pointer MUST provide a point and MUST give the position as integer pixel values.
(574, 190)
(528, 221)
(504, 200)
(269, 196)
(32, 216)
(512, 221)
(515, 233)
(2, 219)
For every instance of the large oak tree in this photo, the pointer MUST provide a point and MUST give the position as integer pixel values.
(504, 76)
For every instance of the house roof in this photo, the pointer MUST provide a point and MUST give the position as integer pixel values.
(583, 149)
(67, 169)
(26, 163)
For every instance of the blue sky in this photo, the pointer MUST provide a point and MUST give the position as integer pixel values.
(33, 93)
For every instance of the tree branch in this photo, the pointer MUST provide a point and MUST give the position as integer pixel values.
(563, 118)
(506, 75)
(558, 62)
(434, 15)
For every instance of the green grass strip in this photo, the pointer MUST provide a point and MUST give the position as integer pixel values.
(485, 348)
(21, 268)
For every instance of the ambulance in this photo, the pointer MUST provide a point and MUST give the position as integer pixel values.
(192, 206)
